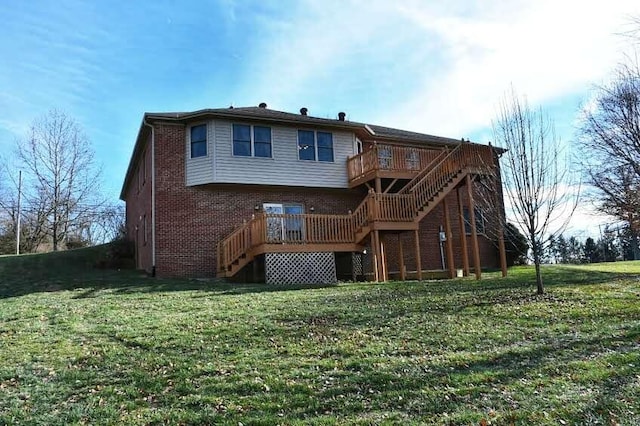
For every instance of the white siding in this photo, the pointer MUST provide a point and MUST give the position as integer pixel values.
(200, 170)
(283, 169)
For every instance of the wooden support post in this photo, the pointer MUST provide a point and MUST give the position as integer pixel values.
(503, 253)
(447, 230)
(403, 272)
(474, 232)
(416, 236)
(383, 262)
(378, 185)
(463, 236)
(377, 256)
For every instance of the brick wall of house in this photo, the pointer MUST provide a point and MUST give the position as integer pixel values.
(138, 209)
(190, 221)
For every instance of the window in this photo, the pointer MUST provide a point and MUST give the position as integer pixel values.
(385, 157)
(199, 141)
(311, 143)
(262, 141)
(412, 159)
(251, 141)
(325, 147)
(480, 221)
(306, 145)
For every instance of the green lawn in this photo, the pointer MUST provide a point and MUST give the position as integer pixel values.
(83, 346)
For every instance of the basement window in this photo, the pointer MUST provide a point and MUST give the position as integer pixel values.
(480, 221)
(198, 141)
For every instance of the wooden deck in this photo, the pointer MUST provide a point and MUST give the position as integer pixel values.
(433, 174)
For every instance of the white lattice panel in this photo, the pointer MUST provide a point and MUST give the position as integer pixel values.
(300, 268)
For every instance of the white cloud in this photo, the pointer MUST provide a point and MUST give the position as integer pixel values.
(546, 49)
(435, 68)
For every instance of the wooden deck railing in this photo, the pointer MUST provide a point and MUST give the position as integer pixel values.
(462, 157)
(394, 207)
(285, 229)
(337, 229)
(390, 158)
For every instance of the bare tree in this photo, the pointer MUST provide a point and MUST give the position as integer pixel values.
(540, 191)
(61, 179)
(610, 138)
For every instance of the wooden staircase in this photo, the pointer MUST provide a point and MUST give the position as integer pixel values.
(402, 210)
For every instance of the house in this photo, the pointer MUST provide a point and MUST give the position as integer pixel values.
(258, 194)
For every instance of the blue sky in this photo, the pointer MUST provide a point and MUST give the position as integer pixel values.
(433, 67)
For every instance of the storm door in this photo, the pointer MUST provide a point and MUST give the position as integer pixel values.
(283, 222)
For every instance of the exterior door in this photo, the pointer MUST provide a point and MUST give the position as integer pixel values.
(281, 228)
(384, 157)
(275, 228)
(293, 226)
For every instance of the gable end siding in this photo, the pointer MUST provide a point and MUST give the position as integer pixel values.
(284, 168)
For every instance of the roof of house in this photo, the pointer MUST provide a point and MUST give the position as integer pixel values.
(259, 113)
(363, 130)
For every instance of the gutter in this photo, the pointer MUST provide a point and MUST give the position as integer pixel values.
(153, 197)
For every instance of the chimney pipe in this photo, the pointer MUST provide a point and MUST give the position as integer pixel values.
(303, 111)
(262, 105)
(341, 116)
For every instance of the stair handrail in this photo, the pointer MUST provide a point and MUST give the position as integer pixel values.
(417, 180)
(363, 213)
(237, 243)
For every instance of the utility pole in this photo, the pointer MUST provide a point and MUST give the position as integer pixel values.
(18, 219)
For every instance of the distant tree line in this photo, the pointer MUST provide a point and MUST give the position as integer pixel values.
(611, 246)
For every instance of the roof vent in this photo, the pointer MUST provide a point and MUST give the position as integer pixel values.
(341, 116)
(262, 105)
(303, 111)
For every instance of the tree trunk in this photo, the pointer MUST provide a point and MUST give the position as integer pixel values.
(539, 284)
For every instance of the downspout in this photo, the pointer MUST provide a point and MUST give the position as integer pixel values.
(153, 198)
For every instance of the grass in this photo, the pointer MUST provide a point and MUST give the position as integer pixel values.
(84, 346)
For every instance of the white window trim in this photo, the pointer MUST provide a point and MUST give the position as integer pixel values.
(252, 137)
(315, 146)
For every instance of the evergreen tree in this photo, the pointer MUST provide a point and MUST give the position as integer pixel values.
(561, 250)
(591, 252)
(575, 250)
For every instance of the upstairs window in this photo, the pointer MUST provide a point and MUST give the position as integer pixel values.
(242, 140)
(312, 145)
(251, 140)
(325, 147)
(199, 141)
(306, 145)
(262, 141)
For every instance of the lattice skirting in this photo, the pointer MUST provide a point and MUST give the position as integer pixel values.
(356, 263)
(300, 268)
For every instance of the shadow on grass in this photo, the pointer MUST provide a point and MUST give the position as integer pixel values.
(74, 269)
